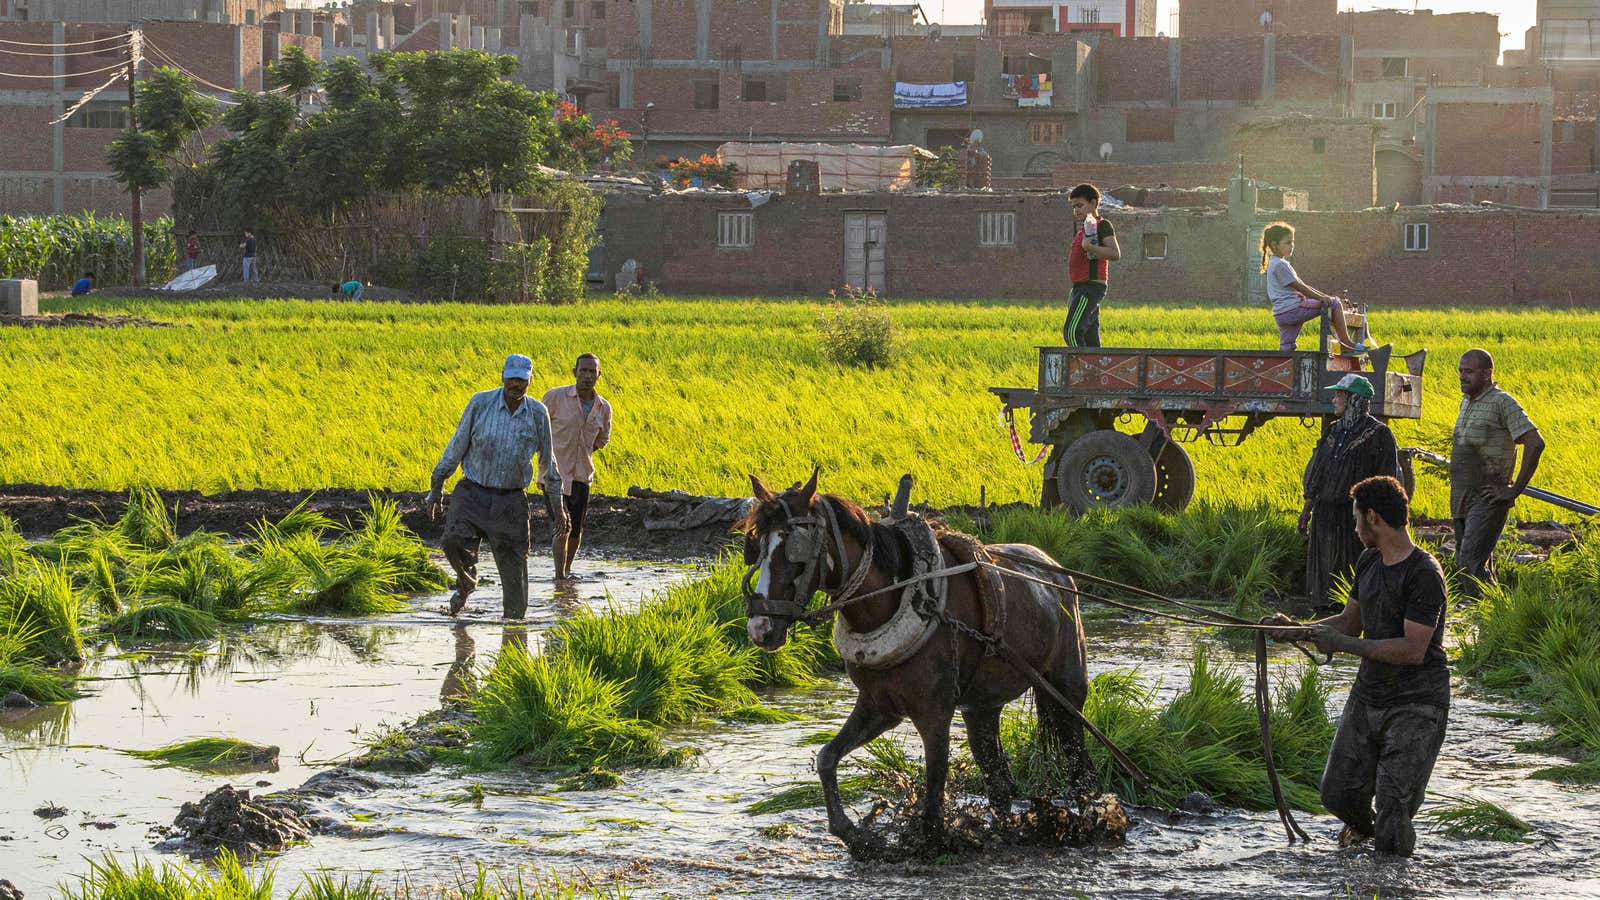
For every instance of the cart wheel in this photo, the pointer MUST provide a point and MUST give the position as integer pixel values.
(1105, 468)
(1174, 474)
(1049, 491)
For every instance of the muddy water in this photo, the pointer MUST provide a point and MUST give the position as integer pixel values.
(682, 832)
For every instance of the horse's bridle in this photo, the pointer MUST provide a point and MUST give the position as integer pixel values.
(805, 538)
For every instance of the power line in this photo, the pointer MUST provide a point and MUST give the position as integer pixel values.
(115, 65)
(94, 52)
(190, 72)
(104, 40)
(84, 100)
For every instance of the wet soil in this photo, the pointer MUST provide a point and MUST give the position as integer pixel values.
(614, 525)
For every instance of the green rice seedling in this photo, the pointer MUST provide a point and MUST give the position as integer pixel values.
(109, 878)
(13, 546)
(297, 520)
(43, 604)
(1473, 819)
(146, 522)
(556, 712)
(384, 537)
(164, 620)
(885, 769)
(1586, 771)
(493, 885)
(756, 714)
(210, 753)
(808, 795)
(328, 579)
(323, 886)
(38, 684)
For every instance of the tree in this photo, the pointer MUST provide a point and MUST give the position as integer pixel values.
(295, 73)
(581, 144)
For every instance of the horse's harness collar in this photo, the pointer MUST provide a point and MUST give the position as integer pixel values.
(805, 542)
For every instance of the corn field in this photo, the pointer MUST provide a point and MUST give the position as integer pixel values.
(55, 250)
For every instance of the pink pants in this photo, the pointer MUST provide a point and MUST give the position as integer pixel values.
(1290, 323)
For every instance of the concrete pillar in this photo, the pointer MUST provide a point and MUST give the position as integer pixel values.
(386, 23)
(238, 58)
(477, 37)
(58, 137)
(329, 36)
(19, 297)
(374, 39)
(1269, 65)
(492, 38)
(446, 34)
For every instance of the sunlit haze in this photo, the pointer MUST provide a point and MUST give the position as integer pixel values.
(1516, 16)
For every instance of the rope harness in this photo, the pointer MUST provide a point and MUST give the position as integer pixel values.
(922, 606)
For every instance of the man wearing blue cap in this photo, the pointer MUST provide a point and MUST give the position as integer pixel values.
(494, 444)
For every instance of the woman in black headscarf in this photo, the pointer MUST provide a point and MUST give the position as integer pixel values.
(1356, 447)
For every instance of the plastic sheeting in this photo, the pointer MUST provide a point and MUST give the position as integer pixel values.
(908, 95)
(843, 167)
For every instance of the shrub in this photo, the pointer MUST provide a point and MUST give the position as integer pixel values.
(857, 330)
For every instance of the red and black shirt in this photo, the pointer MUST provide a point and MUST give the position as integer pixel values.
(1080, 267)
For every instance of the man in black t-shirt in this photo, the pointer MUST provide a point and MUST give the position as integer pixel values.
(1394, 721)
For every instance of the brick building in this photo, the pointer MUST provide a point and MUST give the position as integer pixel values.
(60, 166)
(1488, 144)
(982, 245)
(1218, 18)
(1115, 18)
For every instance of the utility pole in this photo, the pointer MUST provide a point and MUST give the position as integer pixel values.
(133, 126)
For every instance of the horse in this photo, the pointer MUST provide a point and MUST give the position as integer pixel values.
(798, 543)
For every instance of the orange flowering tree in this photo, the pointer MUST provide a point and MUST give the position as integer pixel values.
(711, 171)
(582, 144)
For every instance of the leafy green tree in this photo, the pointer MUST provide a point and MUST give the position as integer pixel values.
(295, 72)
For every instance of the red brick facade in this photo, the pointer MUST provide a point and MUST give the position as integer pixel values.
(1207, 18)
(1329, 158)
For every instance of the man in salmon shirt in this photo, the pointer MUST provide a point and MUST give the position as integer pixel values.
(580, 424)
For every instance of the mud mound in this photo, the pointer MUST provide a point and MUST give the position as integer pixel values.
(894, 832)
(83, 320)
(227, 819)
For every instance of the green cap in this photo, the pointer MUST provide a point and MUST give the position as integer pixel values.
(1354, 384)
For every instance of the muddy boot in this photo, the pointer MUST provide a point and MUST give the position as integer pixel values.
(1349, 837)
(466, 583)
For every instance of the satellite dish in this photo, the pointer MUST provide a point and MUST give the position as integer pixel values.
(976, 137)
(1105, 151)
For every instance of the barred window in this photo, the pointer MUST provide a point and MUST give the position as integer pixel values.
(1416, 236)
(735, 229)
(997, 229)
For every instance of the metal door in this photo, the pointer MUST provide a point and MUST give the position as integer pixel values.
(865, 238)
(1255, 281)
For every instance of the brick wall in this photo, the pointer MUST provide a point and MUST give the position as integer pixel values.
(207, 49)
(1132, 69)
(1178, 175)
(1306, 68)
(932, 251)
(1332, 161)
(1151, 125)
(1409, 34)
(808, 110)
(1573, 152)
(1206, 18)
(1486, 139)
(1220, 68)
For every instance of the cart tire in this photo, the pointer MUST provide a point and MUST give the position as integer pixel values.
(1105, 468)
(1174, 474)
(1049, 492)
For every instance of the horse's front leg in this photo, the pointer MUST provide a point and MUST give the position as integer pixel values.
(863, 724)
(934, 728)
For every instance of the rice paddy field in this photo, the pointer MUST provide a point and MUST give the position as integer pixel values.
(298, 394)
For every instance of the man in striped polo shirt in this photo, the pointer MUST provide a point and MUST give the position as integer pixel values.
(500, 432)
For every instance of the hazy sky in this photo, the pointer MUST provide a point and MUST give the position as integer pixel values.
(1516, 16)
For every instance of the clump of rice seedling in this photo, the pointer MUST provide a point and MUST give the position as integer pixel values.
(297, 520)
(41, 601)
(164, 620)
(885, 768)
(20, 673)
(323, 886)
(1472, 819)
(13, 546)
(111, 879)
(383, 536)
(808, 653)
(146, 522)
(759, 715)
(211, 753)
(329, 579)
(557, 712)
(1206, 739)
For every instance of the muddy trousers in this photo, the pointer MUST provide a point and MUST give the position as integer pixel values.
(1082, 328)
(1379, 767)
(1477, 533)
(478, 513)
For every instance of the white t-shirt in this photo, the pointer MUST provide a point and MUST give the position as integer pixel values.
(1280, 275)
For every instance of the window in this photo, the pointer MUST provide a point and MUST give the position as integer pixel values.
(597, 10)
(770, 90)
(705, 94)
(569, 9)
(997, 229)
(1040, 22)
(1384, 111)
(846, 90)
(735, 229)
(249, 17)
(1046, 132)
(1319, 145)
(1394, 66)
(529, 8)
(1416, 236)
(1027, 64)
(98, 114)
(945, 137)
(1087, 14)
(1155, 245)
(614, 94)
(963, 68)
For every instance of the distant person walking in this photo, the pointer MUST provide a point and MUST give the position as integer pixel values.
(83, 285)
(1483, 454)
(248, 270)
(191, 251)
(580, 424)
(500, 432)
(1355, 447)
(1094, 246)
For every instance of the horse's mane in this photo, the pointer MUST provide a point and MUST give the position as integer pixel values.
(890, 551)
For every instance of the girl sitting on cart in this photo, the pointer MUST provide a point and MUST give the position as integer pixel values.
(1294, 302)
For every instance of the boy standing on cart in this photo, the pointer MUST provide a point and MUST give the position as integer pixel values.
(1094, 246)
